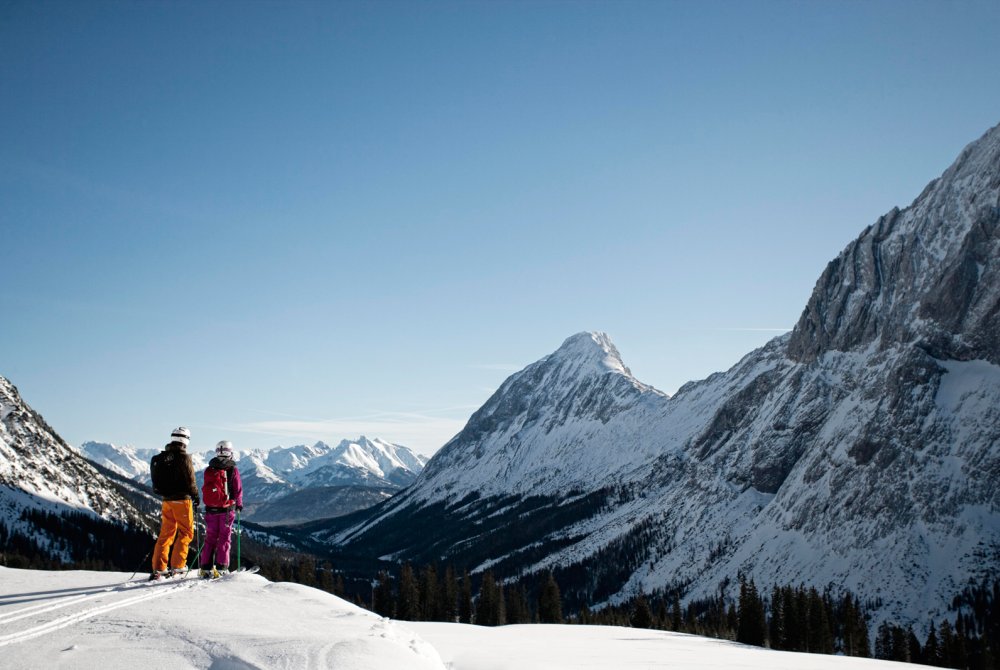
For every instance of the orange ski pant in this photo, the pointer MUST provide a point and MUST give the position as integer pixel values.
(177, 519)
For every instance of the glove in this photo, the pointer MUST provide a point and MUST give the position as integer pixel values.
(195, 503)
(239, 508)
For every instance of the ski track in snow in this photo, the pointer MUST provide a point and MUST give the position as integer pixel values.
(45, 627)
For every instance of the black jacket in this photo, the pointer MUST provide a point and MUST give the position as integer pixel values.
(178, 482)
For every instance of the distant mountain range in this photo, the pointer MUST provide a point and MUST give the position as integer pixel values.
(293, 484)
(859, 451)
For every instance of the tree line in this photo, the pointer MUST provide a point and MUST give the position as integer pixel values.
(429, 594)
(72, 540)
(970, 641)
(789, 618)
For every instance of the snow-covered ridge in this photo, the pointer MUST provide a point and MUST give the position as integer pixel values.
(40, 472)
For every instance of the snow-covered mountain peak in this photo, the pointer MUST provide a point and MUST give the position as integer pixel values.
(542, 418)
(590, 352)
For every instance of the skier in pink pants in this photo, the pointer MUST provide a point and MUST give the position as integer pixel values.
(222, 494)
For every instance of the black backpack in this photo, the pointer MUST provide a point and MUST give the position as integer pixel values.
(166, 471)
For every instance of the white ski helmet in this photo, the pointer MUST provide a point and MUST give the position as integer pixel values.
(224, 448)
(182, 435)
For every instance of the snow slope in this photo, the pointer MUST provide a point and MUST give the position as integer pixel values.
(554, 647)
(99, 620)
(81, 620)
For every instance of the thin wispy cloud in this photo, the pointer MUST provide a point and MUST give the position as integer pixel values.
(753, 330)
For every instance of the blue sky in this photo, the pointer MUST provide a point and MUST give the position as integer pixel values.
(283, 222)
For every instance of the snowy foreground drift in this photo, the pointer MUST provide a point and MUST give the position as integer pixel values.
(84, 619)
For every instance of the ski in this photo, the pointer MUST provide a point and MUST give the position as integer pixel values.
(242, 571)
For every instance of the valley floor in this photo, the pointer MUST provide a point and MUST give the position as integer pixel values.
(101, 620)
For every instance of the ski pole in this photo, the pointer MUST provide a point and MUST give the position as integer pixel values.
(197, 534)
(145, 558)
(239, 532)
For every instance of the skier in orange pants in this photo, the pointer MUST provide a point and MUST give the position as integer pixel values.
(173, 478)
(177, 521)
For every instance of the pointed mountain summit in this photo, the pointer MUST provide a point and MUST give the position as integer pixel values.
(588, 353)
(543, 429)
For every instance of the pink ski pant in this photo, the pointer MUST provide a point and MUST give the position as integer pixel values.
(218, 538)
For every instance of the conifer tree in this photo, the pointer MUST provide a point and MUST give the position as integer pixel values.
(931, 652)
(776, 624)
(642, 616)
(662, 617)
(863, 648)
(804, 628)
(408, 604)
(429, 596)
(676, 623)
(855, 629)
(326, 580)
(382, 598)
(465, 599)
(752, 621)
(820, 639)
(883, 642)
(489, 606)
(726, 628)
(305, 571)
(550, 601)
(517, 605)
(914, 654)
(449, 595)
(900, 650)
(501, 606)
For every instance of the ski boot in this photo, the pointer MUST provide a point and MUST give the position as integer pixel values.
(158, 574)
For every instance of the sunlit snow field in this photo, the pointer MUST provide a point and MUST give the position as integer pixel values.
(99, 620)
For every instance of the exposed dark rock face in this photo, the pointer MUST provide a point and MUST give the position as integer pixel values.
(926, 274)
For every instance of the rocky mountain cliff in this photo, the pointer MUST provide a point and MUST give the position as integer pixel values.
(860, 451)
(54, 504)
